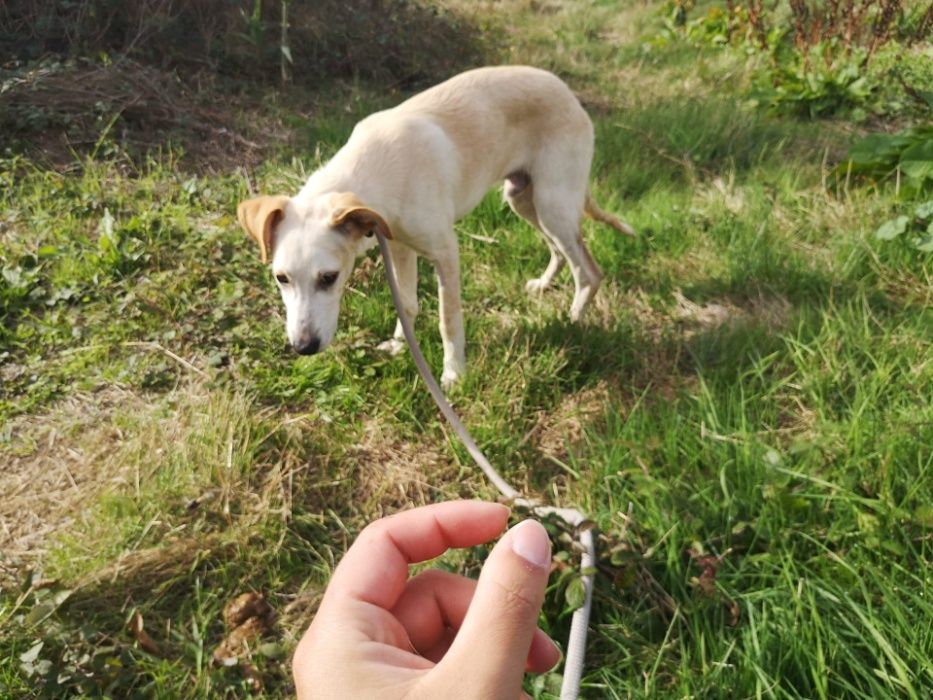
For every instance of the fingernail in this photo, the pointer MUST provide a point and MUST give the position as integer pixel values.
(531, 543)
(560, 652)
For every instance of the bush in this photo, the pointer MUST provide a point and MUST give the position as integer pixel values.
(821, 53)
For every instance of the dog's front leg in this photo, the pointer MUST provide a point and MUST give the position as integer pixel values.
(447, 264)
(405, 262)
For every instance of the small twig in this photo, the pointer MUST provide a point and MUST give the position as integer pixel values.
(661, 597)
(151, 345)
(71, 478)
(628, 521)
(482, 239)
(147, 344)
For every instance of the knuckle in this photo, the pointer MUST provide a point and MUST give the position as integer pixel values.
(518, 600)
(430, 577)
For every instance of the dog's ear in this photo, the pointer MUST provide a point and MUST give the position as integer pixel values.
(259, 217)
(351, 214)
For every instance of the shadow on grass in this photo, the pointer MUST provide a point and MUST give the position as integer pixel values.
(730, 324)
(680, 141)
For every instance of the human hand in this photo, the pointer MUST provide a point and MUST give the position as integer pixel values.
(379, 634)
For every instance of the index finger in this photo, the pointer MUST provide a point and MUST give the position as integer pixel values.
(375, 568)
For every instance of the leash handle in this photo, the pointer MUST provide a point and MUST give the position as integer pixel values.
(576, 644)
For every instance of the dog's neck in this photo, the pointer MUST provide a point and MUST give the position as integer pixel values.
(322, 181)
(374, 179)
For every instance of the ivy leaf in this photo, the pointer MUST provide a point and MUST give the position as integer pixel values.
(917, 161)
(926, 242)
(890, 230)
(924, 516)
(108, 239)
(877, 148)
(575, 594)
(271, 650)
(28, 657)
(924, 211)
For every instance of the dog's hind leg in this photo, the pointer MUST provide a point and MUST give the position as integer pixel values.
(560, 175)
(559, 212)
(586, 273)
(519, 193)
(405, 263)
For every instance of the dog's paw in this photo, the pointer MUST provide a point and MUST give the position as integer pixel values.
(582, 299)
(536, 286)
(577, 311)
(393, 346)
(450, 379)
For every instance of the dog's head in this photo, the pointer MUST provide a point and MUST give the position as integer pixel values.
(312, 247)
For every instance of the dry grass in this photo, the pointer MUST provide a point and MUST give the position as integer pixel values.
(56, 463)
(555, 433)
(160, 459)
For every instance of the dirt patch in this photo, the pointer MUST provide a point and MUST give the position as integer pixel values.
(771, 312)
(685, 317)
(59, 110)
(200, 75)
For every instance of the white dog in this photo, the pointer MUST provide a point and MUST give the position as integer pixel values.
(410, 172)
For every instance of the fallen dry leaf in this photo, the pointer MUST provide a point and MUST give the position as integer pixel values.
(251, 674)
(243, 607)
(247, 617)
(146, 642)
(237, 641)
(735, 612)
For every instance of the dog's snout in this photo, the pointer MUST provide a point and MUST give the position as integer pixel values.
(307, 346)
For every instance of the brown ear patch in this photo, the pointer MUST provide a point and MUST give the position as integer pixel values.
(259, 217)
(351, 214)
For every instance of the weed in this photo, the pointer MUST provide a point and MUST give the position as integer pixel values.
(920, 223)
(904, 158)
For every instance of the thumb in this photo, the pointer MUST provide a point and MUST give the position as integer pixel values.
(487, 657)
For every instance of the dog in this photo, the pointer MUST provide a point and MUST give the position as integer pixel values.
(409, 173)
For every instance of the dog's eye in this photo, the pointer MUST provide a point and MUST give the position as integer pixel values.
(282, 278)
(327, 279)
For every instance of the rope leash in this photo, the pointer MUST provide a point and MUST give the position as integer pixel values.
(576, 644)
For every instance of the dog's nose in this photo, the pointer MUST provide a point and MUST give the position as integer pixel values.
(308, 346)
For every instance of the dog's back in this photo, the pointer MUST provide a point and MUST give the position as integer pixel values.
(495, 121)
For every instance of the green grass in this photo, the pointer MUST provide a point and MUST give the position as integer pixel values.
(746, 413)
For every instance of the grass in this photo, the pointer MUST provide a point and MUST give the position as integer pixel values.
(745, 413)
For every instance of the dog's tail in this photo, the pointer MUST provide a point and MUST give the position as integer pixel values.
(592, 210)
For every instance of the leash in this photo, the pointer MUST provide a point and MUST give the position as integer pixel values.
(576, 644)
